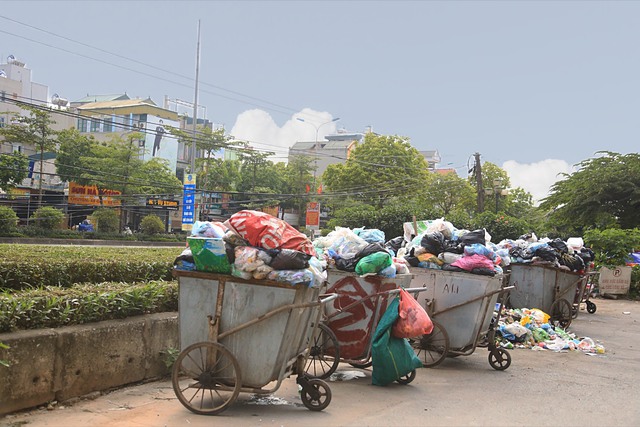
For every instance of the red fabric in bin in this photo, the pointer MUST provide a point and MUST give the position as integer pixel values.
(263, 230)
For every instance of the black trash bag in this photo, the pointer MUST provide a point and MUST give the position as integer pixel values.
(453, 247)
(574, 262)
(547, 253)
(475, 236)
(395, 244)
(412, 260)
(371, 248)
(289, 259)
(587, 255)
(559, 245)
(484, 271)
(518, 252)
(433, 242)
(346, 264)
(186, 255)
(231, 252)
(449, 267)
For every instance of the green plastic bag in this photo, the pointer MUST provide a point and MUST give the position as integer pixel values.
(209, 254)
(392, 357)
(372, 264)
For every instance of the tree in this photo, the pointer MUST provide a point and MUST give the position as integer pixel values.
(107, 220)
(379, 169)
(151, 224)
(73, 147)
(603, 193)
(13, 169)
(446, 193)
(220, 175)
(8, 219)
(34, 129)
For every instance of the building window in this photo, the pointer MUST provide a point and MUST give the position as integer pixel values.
(82, 125)
(108, 125)
(2, 124)
(95, 125)
(17, 148)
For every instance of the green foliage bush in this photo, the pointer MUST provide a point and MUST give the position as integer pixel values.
(29, 266)
(8, 220)
(151, 224)
(106, 220)
(612, 246)
(56, 233)
(500, 226)
(51, 307)
(47, 217)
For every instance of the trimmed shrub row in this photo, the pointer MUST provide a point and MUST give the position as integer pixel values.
(34, 266)
(51, 307)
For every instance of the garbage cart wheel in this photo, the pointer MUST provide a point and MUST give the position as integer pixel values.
(206, 378)
(499, 359)
(591, 307)
(561, 313)
(432, 349)
(361, 365)
(322, 396)
(324, 353)
(407, 378)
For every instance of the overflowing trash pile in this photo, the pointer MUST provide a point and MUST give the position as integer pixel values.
(253, 245)
(361, 250)
(530, 328)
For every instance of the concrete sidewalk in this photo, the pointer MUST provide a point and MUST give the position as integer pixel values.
(540, 388)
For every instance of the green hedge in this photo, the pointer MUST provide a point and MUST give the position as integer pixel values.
(33, 266)
(52, 307)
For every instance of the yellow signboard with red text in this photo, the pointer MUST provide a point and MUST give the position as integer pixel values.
(91, 194)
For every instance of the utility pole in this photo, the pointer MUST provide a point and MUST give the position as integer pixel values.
(480, 189)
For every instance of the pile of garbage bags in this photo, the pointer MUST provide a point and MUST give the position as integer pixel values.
(530, 328)
(361, 250)
(253, 245)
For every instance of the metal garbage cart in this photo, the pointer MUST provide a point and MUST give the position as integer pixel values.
(548, 288)
(240, 335)
(461, 306)
(350, 321)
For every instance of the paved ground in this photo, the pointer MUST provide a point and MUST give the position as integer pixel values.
(541, 388)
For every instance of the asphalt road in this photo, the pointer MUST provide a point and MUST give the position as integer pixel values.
(540, 388)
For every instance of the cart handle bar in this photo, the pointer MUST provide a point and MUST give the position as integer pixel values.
(376, 295)
(288, 307)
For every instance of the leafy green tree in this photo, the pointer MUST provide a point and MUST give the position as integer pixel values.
(152, 224)
(603, 193)
(220, 175)
(73, 147)
(106, 220)
(379, 169)
(501, 226)
(447, 193)
(35, 130)
(13, 169)
(47, 217)
(8, 219)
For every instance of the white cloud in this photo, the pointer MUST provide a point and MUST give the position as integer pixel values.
(263, 133)
(536, 178)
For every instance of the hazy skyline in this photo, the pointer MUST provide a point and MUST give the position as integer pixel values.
(535, 87)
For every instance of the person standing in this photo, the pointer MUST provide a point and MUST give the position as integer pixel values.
(159, 133)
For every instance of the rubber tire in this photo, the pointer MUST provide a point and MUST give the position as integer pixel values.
(499, 359)
(320, 404)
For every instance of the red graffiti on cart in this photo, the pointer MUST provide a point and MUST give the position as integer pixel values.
(354, 326)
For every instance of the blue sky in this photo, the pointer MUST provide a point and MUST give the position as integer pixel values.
(535, 87)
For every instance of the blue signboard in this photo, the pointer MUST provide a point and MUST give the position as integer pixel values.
(188, 202)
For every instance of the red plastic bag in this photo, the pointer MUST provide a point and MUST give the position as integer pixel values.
(266, 231)
(413, 320)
